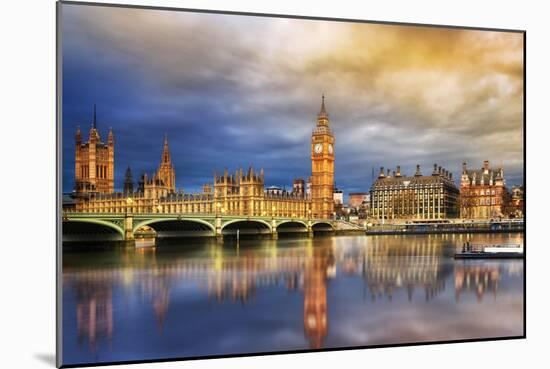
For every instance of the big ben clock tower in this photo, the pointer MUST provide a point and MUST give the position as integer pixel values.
(322, 166)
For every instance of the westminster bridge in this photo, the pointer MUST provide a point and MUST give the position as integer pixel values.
(80, 226)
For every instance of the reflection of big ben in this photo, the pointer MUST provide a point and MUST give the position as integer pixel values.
(315, 298)
(322, 167)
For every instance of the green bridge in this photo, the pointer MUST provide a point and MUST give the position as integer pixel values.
(120, 226)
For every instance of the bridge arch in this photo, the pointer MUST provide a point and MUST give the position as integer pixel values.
(246, 226)
(322, 226)
(292, 221)
(292, 226)
(119, 231)
(247, 220)
(158, 221)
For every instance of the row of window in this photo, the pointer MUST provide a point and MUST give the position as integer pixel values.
(482, 192)
(100, 171)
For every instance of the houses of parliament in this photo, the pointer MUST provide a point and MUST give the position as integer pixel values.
(241, 193)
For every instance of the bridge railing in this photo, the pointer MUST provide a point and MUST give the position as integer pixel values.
(175, 215)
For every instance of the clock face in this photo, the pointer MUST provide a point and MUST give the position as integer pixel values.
(330, 149)
(318, 148)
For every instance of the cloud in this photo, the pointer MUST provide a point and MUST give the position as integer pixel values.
(236, 90)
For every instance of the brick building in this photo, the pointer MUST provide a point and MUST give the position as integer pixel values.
(483, 193)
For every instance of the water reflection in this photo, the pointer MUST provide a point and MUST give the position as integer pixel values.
(419, 265)
(179, 288)
(477, 278)
(94, 311)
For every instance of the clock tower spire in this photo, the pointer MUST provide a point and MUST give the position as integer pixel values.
(322, 166)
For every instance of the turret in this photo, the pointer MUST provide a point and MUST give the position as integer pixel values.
(111, 137)
(77, 159)
(322, 117)
(94, 134)
(418, 173)
(128, 182)
(485, 166)
(78, 136)
(111, 160)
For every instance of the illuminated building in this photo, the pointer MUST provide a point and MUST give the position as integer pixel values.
(299, 187)
(395, 196)
(517, 202)
(338, 197)
(483, 192)
(166, 173)
(94, 162)
(322, 166)
(241, 193)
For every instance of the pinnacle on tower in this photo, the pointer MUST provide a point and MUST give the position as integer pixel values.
(128, 182)
(165, 151)
(323, 111)
(94, 120)
(78, 135)
(322, 117)
(111, 137)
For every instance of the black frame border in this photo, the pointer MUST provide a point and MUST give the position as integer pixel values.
(59, 193)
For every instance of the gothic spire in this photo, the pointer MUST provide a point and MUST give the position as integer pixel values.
(128, 182)
(128, 174)
(165, 151)
(322, 117)
(94, 120)
(78, 135)
(111, 137)
(323, 111)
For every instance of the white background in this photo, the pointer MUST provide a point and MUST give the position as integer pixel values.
(27, 180)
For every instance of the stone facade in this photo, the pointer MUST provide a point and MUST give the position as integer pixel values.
(517, 203)
(483, 193)
(418, 197)
(241, 193)
(322, 166)
(94, 162)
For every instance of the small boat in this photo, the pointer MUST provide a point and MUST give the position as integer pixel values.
(481, 251)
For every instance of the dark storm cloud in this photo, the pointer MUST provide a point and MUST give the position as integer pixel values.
(237, 91)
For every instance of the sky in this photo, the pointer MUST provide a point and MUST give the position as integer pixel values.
(234, 91)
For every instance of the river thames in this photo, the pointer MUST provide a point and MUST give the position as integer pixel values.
(195, 297)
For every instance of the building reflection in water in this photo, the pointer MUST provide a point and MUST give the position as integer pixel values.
(94, 311)
(388, 267)
(316, 271)
(477, 278)
(230, 277)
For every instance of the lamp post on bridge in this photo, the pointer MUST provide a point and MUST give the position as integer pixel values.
(218, 222)
(309, 225)
(128, 220)
(273, 223)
